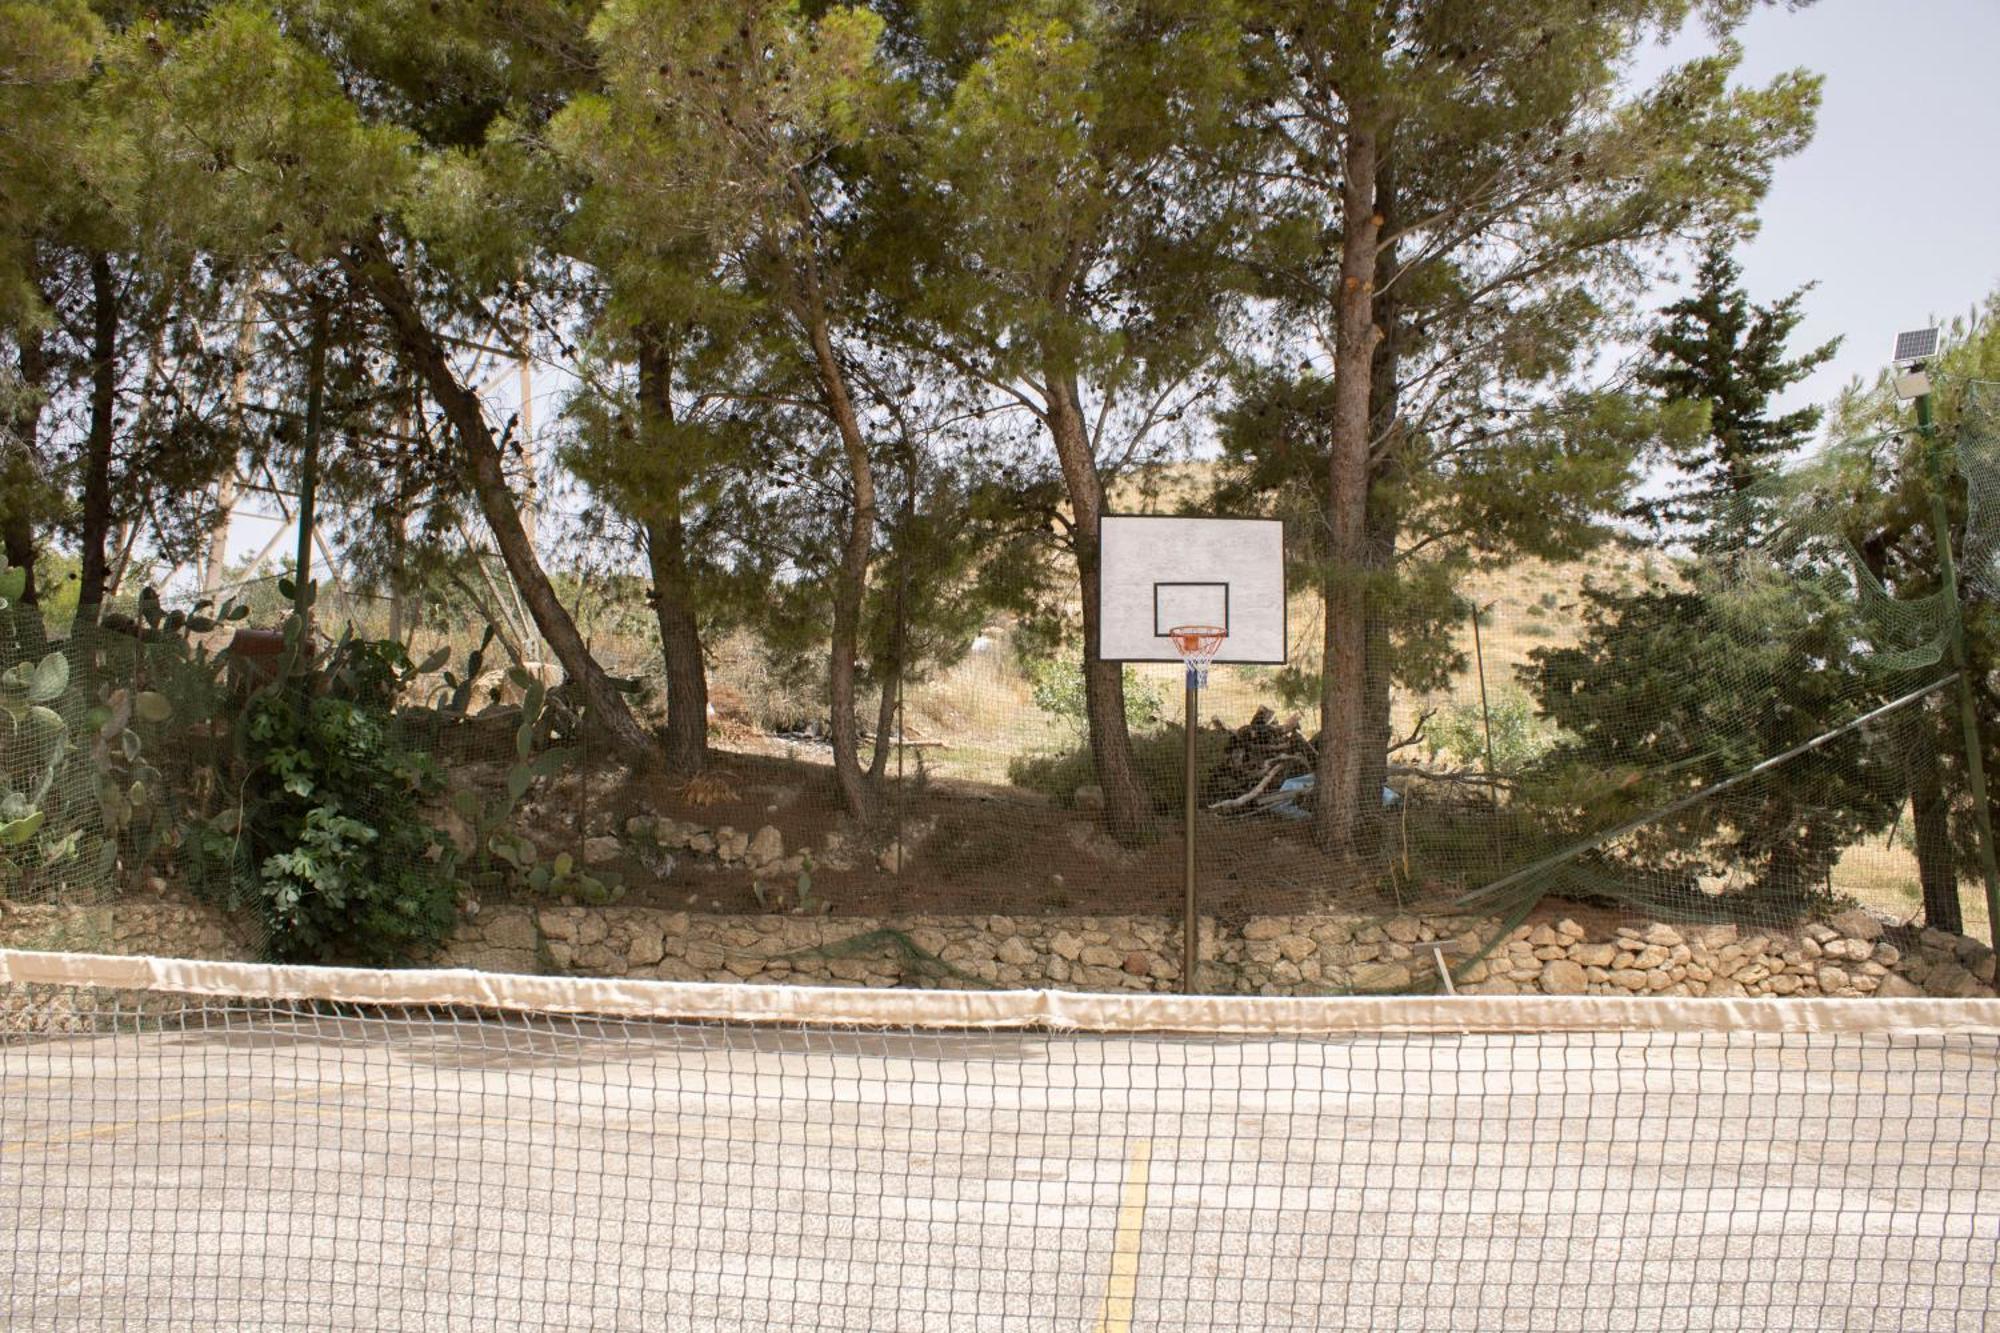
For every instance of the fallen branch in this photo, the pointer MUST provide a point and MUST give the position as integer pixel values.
(1271, 773)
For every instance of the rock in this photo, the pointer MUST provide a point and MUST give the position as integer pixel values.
(1090, 797)
(1593, 955)
(1067, 946)
(1727, 989)
(1403, 929)
(1296, 948)
(1950, 981)
(1783, 984)
(1139, 965)
(641, 826)
(510, 930)
(767, 848)
(835, 853)
(1939, 941)
(647, 946)
(1381, 977)
(1629, 978)
(1651, 957)
(1562, 977)
(1015, 952)
(1717, 937)
(1831, 979)
(1543, 937)
(892, 858)
(1260, 928)
(456, 830)
(1100, 955)
(730, 845)
(601, 851)
(1893, 987)
(1663, 935)
(557, 925)
(1819, 933)
(1858, 924)
(1569, 930)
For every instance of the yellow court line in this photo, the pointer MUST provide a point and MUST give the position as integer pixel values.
(120, 1126)
(1121, 1289)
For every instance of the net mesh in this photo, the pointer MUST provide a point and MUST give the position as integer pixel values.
(229, 1146)
(1752, 724)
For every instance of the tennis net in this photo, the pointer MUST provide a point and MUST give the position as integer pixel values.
(210, 1145)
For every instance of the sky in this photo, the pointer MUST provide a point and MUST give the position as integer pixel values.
(1894, 208)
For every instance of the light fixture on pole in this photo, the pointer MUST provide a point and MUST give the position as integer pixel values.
(1912, 362)
(1914, 352)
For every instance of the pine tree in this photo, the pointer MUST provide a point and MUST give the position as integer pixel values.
(1716, 347)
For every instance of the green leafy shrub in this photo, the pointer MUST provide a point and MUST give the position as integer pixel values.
(345, 867)
(1520, 736)
(1056, 686)
(324, 829)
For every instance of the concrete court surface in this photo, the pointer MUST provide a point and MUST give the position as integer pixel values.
(292, 1171)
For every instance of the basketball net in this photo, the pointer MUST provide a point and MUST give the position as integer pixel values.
(1198, 645)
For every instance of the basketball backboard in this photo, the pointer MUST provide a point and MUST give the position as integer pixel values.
(1157, 571)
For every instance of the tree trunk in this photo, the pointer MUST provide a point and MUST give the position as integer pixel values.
(1381, 528)
(1128, 814)
(680, 646)
(1344, 670)
(23, 462)
(1937, 870)
(851, 582)
(889, 673)
(96, 529)
(376, 272)
(673, 585)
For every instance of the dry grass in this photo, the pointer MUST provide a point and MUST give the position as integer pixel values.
(1884, 874)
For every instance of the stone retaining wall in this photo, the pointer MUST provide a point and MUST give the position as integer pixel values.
(165, 928)
(1854, 954)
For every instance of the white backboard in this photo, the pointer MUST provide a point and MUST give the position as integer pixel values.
(1156, 572)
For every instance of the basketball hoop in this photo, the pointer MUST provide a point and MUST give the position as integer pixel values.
(1198, 645)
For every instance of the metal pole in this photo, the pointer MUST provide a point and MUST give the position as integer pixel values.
(1486, 727)
(302, 597)
(1191, 918)
(1968, 711)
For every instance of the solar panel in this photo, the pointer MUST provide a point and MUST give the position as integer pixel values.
(1916, 345)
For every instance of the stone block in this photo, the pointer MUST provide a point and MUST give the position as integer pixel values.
(1562, 977)
(1593, 955)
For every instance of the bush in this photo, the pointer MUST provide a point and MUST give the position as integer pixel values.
(346, 867)
(1056, 686)
(326, 835)
(1520, 735)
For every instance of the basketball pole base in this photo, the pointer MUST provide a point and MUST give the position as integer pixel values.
(1191, 919)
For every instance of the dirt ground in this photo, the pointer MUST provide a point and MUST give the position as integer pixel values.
(979, 848)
